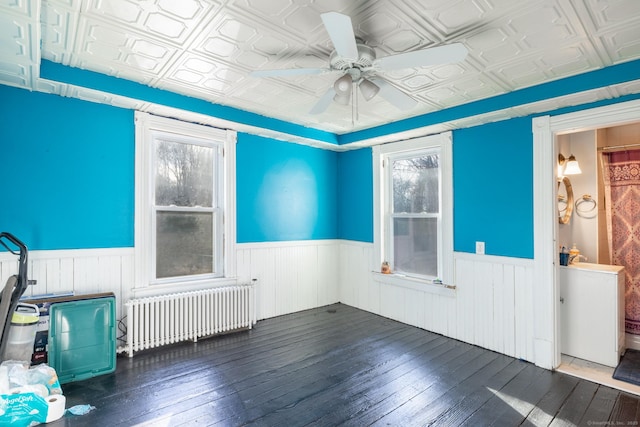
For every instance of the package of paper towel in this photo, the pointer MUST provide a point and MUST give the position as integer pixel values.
(29, 396)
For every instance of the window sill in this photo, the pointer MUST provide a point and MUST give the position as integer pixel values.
(414, 283)
(186, 286)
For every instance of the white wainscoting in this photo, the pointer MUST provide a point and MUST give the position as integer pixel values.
(82, 271)
(291, 276)
(492, 306)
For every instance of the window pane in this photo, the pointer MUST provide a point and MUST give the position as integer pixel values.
(184, 243)
(415, 246)
(184, 174)
(415, 184)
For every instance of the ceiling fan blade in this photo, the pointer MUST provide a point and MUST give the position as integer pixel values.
(324, 102)
(394, 95)
(447, 54)
(340, 31)
(288, 72)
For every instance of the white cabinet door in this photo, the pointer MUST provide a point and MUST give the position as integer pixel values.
(590, 314)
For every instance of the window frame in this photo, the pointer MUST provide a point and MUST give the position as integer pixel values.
(150, 128)
(390, 215)
(383, 238)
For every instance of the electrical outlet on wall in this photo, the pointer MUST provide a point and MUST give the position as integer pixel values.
(480, 248)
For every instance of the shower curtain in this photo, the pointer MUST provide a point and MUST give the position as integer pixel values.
(621, 174)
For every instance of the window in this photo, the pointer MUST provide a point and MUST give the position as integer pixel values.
(184, 215)
(413, 215)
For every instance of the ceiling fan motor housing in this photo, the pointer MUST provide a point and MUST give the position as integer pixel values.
(366, 56)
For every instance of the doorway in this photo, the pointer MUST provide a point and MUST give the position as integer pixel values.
(546, 131)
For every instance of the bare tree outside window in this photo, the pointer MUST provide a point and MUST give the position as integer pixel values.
(416, 210)
(184, 198)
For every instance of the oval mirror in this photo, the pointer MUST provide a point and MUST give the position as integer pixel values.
(565, 200)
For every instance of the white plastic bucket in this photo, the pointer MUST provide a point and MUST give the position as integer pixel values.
(22, 333)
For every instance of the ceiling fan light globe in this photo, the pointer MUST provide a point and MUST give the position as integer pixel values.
(368, 89)
(342, 86)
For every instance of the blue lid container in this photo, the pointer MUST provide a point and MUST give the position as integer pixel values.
(82, 338)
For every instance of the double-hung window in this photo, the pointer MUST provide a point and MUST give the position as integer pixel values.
(183, 208)
(413, 208)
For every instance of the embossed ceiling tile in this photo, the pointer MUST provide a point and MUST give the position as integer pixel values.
(319, 84)
(448, 71)
(236, 30)
(270, 45)
(171, 21)
(305, 21)
(251, 60)
(183, 9)
(26, 8)
(403, 40)
(521, 74)
(477, 87)
(376, 26)
(16, 30)
(218, 86)
(186, 76)
(444, 96)
(14, 74)
(118, 47)
(608, 14)
(454, 16)
(493, 45)
(271, 8)
(211, 41)
(402, 74)
(566, 61)
(623, 43)
(111, 70)
(58, 31)
(417, 82)
(229, 75)
(75, 5)
(542, 27)
(259, 92)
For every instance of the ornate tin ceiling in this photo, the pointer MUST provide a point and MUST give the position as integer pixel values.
(206, 49)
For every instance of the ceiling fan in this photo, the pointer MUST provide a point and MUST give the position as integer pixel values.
(360, 69)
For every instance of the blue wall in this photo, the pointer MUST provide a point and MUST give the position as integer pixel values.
(493, 188)
(284, 191)
(68, 176)
(355, 195)
(67, 171)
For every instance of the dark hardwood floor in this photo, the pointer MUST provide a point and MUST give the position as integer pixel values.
(338, 365)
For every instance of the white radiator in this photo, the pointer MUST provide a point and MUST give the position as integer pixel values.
(167, 319)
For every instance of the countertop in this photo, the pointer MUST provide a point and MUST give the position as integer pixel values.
(604, 268)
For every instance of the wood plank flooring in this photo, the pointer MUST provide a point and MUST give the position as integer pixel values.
(338, 365)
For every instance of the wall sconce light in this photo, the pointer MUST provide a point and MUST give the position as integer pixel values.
(571, 166)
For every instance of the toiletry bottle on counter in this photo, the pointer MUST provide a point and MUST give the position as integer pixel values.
(574, 255)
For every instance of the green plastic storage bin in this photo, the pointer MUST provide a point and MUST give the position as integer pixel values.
(82, 338)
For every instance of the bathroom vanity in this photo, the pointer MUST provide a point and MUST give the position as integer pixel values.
(592, 312)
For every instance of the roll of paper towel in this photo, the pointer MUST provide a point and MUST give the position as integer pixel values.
(57, 403)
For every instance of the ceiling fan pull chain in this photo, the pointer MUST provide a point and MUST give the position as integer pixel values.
(354, 103)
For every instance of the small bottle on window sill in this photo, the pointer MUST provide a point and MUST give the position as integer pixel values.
(385, 268)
